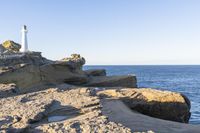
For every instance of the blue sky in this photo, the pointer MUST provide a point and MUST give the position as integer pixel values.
(118, 32)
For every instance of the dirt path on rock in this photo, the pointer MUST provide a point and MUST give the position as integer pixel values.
(117, 111)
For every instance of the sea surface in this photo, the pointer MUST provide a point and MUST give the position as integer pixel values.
(184, 79)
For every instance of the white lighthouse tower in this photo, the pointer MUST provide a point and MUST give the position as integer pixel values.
(24, 40)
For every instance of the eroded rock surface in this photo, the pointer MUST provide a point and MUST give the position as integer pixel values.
(113, 81)
(96, 72)
(160, 104)
(118, 112)
(74, 109)
(28, 70)
(32, 112)
(32, 69)
(75, 61)
(31, 58)
(40, 95)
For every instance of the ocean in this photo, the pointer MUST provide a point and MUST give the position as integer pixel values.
(181, 78)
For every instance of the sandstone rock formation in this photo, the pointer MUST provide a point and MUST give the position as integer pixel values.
(40, 112)
(117, 111)
(75, 61)
(113, 81)
(63, 72)
(31, 58)
(11, 46)
(28, 70)
(73, 109)
(96, 72)
(41, 95)
(160, 104)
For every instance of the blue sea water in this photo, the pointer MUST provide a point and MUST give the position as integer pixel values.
(184, 79)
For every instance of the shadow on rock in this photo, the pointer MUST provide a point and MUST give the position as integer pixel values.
(55, 112)
(154, 103)
(173, 111)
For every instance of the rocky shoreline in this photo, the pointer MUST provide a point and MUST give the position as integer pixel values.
(41, 95)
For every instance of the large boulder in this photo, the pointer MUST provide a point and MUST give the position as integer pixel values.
(113, 81)
(68, 70)
(155, 103)
(75, 61)
(62, 73)
(31, 69)
(11, 46)
(96, 72)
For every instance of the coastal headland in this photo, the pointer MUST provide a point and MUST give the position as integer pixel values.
(41, 95)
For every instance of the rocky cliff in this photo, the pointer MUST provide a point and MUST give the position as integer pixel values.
(30, 69)
(41, 95)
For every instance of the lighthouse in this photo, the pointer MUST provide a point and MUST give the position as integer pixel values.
(24, 40)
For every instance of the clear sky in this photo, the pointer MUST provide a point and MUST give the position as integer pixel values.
(129, 32)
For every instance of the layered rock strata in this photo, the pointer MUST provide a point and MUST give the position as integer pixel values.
(41, 95)
(28, 70)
